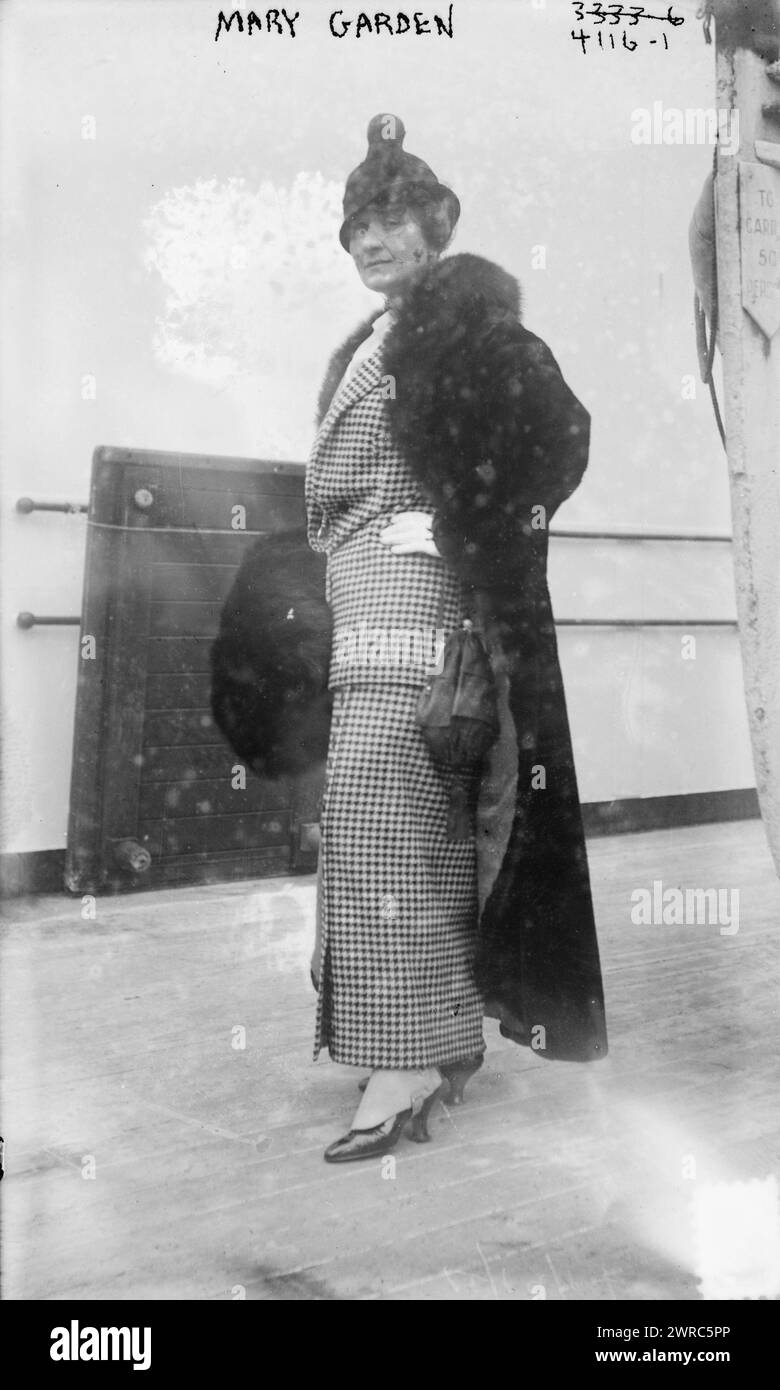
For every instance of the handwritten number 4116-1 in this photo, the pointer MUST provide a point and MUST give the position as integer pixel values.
(630, 44)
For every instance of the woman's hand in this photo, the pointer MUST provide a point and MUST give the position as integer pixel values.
(410, 533)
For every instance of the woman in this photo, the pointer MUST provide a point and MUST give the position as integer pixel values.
(447, 438)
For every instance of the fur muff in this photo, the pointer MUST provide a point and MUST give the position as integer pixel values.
(269, 662)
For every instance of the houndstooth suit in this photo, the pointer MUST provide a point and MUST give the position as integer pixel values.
(398, 901)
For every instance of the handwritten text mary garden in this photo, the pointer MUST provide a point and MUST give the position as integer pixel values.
(341, 24)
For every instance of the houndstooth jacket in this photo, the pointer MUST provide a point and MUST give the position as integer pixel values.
(391, 613)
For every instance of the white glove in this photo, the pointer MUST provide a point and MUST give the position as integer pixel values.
(410, 533)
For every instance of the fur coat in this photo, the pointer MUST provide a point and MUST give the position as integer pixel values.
(497, 441)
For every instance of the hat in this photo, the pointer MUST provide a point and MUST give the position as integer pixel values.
(388, 170)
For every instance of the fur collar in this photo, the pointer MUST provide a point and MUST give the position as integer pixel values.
(455, 296)
(464, 284)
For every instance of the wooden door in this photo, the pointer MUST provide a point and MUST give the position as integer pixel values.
(157, 796)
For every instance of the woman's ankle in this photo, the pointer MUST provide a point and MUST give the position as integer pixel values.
(390, 1091)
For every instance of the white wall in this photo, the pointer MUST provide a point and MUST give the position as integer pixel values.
(187, 259)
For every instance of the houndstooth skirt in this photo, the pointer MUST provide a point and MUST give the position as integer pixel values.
(398, 901)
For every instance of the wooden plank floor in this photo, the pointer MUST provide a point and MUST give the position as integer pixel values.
(150, 1155)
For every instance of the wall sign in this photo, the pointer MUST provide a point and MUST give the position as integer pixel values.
(759, 234)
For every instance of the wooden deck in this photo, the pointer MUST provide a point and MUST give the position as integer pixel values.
(150, 1155)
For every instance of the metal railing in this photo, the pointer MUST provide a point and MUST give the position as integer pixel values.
(630, 534)
(26, 620)
(25, 505)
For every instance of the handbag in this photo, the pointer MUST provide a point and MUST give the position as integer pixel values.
(457, 714)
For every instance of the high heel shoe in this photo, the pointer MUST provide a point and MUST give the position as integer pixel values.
(458, 1073)
(372, 1143)
(418, 1130)
(455, 1073)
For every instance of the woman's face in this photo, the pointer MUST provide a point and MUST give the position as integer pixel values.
(388, 248)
